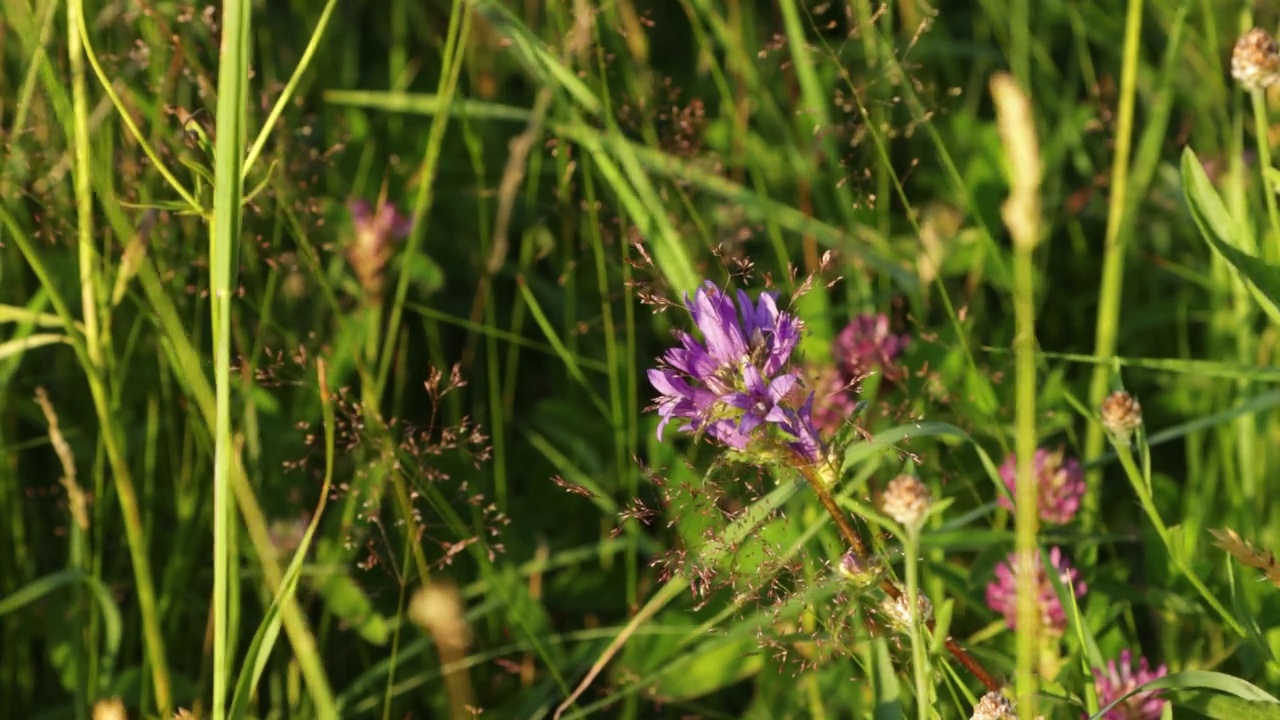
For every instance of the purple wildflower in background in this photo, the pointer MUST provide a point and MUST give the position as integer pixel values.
(370, 248)
(378, 225)
(1059, 484)
(1002, 593)
(863, 346)
(866, 344)
(833, 400)
(735, 384)
(1114, 682)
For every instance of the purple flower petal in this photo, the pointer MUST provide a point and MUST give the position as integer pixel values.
(1115, 681)
(732, 381)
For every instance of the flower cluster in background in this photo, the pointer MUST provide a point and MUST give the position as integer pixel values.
(1115, 681)
(736, 384)
(1002, 593)
(370, 246)
(1059, 484)
(864, 346)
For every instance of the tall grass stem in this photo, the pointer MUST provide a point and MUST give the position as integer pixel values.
(224, 241)
(1114, 244)
(919, 661)
(1021, 214)
(1263, 127)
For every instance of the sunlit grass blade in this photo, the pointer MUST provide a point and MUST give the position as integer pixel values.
(224, 258)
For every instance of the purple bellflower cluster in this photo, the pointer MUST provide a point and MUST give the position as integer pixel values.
(736, 384)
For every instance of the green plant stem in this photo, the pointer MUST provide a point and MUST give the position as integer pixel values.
(114, 448)
(91, 352)
(123, 112)
(1114, 244)
(89, 294)
(919, 663)
(454, 50)
(1141, 487)
(289, 89)
(224, 240)
(811, 475)
(1264, 162)
(1026, 500)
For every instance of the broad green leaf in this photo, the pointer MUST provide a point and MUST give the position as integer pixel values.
(1219, 230)
(1227, 707)
(424, 272)
(344, 597)
(884, 683)
(713, 665)
(1224, 685)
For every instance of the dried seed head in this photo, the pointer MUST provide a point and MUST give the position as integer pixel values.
(906, 500)
(1255, 62)
(994, 706)
(898, 611)
(1248, 554)
(1121, 415)
(438, 608)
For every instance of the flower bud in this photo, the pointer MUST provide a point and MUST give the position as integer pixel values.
(994, 706)
(1255, 62)
(906, 500)
(1121, 415)
(898, 611)
(857, 569)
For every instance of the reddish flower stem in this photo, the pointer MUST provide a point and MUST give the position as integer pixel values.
(855, 543)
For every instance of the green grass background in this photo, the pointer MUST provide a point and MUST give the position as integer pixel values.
(173, 225)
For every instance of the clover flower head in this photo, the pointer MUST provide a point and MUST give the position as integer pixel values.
(994, 706)
(1059, 484)
(735, 383)
(866, 344)
(906, 499)
(860, 571)
(833, 398)
(1121, 415)
(1255, 60)
(1002, 592)
(1116, 680)
(862, 347)
(370, 247)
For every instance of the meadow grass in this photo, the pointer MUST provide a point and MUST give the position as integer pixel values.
(326, 330)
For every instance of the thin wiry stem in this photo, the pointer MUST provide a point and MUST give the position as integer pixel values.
(809, 471)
